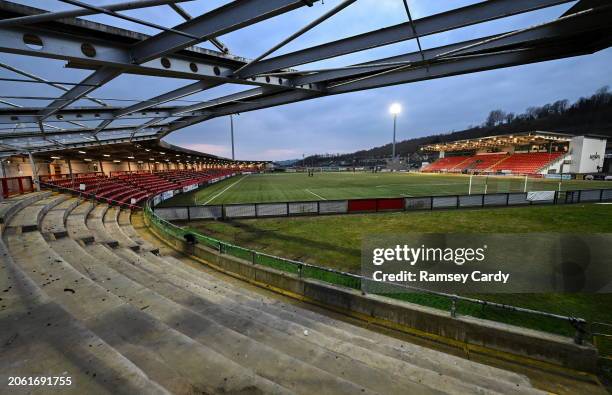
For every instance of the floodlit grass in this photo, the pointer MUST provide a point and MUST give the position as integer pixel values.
(282, 187)
(335, 241)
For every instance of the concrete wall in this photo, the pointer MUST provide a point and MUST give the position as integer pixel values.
(481, 336)
(587, 154)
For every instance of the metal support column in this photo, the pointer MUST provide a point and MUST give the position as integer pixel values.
(232, 132)
(34, 172)
(394, 131)
(70, 171)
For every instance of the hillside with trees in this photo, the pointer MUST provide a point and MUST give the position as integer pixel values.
(588, 115)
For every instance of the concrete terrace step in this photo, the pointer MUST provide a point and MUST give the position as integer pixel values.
(53, 223)
(94, 221)
(270, 362)
(139, 274)
(478, 374)
(28, 218)
(356, 370)
(9, 207)
(75, 222)
(111, 226)
(265, 361)
(270, 311)
(399, 367)
(39, 338)
(442, 371)
(167, 356)
(164, 326)
(125, 223)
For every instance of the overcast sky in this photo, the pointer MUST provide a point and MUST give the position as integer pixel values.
(349, 122)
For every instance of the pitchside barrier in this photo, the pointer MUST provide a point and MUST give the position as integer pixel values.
(454, 304)
(323, 207)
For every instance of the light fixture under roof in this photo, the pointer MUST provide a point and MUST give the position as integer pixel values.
(82, 152)
(87, 160)
(130, 157)
(117, 161)
(56, 157)
(106, 155)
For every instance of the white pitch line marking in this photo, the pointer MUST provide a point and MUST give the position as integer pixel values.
(319, 196)
(220, 193)
(419, 185)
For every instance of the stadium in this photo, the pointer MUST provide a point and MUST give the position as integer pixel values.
(134, 265)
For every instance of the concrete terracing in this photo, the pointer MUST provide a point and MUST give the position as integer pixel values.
(85, 295)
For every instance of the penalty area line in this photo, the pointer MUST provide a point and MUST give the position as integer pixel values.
(223, 191)
(319, 196)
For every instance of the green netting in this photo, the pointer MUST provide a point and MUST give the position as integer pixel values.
(204, 240)
(331, 277)
(277, 263)
(237, 252)
(207, 241)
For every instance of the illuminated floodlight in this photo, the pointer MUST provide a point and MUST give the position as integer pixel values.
(395, 108)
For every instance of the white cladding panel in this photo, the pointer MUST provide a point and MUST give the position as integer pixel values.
(587, 154)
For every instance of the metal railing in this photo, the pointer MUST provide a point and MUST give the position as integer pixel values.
(326, 207)
(350, 280)
(88, 195)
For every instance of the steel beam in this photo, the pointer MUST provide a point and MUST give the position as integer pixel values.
(249, 94)
(29, 115)
(54, 16)
(69, 48)
(217, 22)
(568, 25)
(40, 79)
(469, 64)
(95, 80)
(244, 70)
(105, 11)
(187, 90)
(460, 17)
(185, 15)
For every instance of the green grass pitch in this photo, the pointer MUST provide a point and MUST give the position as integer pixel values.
(282, 187)
(335, 241)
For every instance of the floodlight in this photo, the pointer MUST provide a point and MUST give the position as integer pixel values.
(395, 108)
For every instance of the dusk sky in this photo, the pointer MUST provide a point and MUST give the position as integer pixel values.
(349, 122)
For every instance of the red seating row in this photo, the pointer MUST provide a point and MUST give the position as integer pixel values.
(527, 163)
(518, 163)
(132, 188)
(446, 164)
(483, 162)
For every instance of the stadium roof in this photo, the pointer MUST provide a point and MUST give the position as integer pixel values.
(504, 140)
(108, 52)
(149, 151)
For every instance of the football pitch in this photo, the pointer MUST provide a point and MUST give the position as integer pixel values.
(283, 187)
(335, 241)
